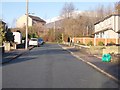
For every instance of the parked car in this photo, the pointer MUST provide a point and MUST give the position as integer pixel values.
(33, 42)
(40, 41)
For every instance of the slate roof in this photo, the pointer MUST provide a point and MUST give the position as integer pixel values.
(2, 22)
(103, 30)
(37, 18)
(106, 18)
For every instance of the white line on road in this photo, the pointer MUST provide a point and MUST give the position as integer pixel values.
(94, 66)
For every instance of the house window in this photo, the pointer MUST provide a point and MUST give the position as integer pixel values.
(96, 36)
(119, 35)
(103, 34)
(100, 35)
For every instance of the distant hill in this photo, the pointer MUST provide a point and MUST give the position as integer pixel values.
(57, 24)
(58, 20)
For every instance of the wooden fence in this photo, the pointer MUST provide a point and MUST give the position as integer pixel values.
(96, 41)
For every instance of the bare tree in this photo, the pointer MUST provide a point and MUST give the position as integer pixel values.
(117, 7)
(103, 11)
(83, 25)
(68, 22)
(109, 9)
(67, 10)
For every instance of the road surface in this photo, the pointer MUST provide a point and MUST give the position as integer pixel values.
(50, 66)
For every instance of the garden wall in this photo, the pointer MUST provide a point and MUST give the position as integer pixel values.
(96, 41)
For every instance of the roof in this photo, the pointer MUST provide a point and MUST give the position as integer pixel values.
(103, 30)
(2, 22)
(118, 31)
(106, 18)
(37, 18)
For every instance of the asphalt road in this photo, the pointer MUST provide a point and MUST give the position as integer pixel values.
(50, 66)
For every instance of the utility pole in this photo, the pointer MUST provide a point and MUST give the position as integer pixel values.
(26, 45)
(54, 30)
(87, 31)
(62, 38)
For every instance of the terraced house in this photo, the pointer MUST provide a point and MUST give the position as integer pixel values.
(109, 27)
(32, 20)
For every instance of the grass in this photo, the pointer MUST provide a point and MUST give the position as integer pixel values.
(51, 42)
(0, 41)
(97, 50)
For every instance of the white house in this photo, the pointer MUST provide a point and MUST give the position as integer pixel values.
(17, 37)
(21, 21)
(109, 27)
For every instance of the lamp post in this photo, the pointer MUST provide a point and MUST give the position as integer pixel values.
(26, 45)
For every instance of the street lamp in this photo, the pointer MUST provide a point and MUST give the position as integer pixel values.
(26, 45)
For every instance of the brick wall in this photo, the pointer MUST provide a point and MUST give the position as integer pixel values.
(95, 41)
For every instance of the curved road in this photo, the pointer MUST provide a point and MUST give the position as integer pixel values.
(50, 66)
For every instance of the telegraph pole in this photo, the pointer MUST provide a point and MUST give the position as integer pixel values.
(54, 30)
(26, 45)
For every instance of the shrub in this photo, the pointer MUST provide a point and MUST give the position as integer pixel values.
(100, 43)
(78, 42)
(34, 35)
(59, 38)
(90, 43)
(9, 36)
(112, 43)
(81, 43)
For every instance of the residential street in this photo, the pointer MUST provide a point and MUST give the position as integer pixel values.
(50, 66)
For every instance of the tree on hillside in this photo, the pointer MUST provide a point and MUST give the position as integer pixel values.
(67, 10)
(117, 7)
(38, 29)
(109, 9)
(68, 22)
(102, 11)
(83, 24)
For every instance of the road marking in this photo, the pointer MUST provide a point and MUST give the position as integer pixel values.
(94, 66)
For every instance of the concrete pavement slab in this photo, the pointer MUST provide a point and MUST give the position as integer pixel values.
(111, 69)
(11, 55)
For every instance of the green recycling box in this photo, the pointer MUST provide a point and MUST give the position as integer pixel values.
(106, 58)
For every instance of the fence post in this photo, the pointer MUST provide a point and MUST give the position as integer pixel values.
(94, 41)
(117, 41)
(83, 40)
(105, 41)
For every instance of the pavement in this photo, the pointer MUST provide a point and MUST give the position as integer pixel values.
(110, 69)
(8, 56)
